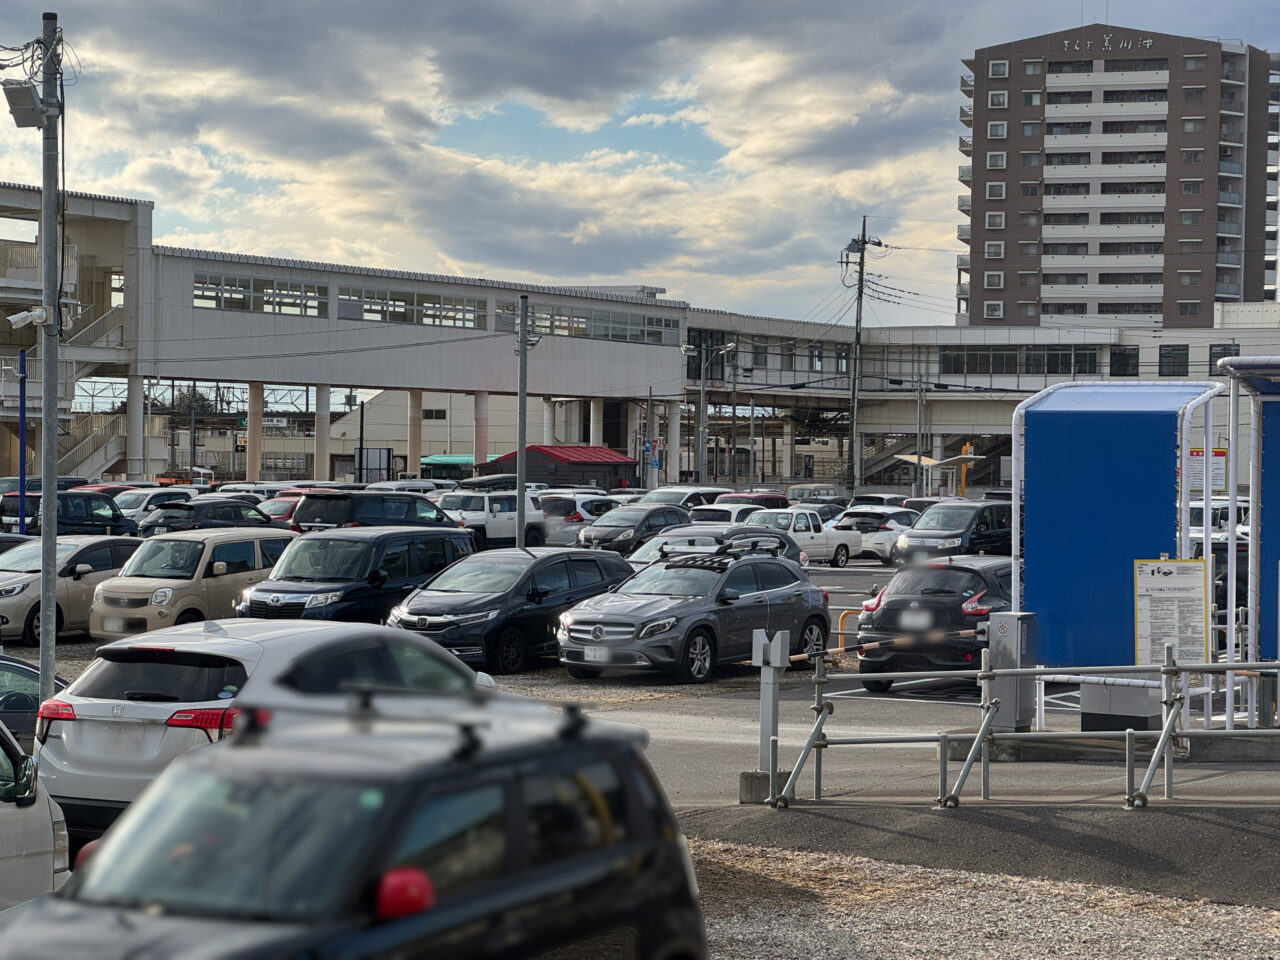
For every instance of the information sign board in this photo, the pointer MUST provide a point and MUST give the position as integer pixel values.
(1169, 606)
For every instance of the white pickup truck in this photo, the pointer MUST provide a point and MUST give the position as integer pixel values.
(805, 527)
(492, 517)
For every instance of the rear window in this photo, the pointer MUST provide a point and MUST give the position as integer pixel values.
(711, 514)
(941, 517)
(10, 505)
(558, 506)
(334, 510)
(276, 508)
(930, 582)
(162, 676)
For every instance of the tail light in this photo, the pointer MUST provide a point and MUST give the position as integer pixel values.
(872, 605)
(971, 607)
(211, 721)
(49, 711)
(353, 523)
(574, 517)
(826, 598)
(295, 528)
(884, 526)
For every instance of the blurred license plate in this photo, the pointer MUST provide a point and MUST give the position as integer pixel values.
(595, 654)
(113, 624)
(915, 619)
(159, 529)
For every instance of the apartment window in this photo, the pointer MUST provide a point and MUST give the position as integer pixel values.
(1189, 217)
(1188, 278)
(1029, 219)
(1133, 156)
(997, 130)
(1124, 361)
(1131, 66)
(1134, 126)
(1031, 159)
(993, 309)
(1033, 68)
(1194, 157)
(995, 219)
(997, 99)
(1066, 249)
(1129, 248)
(1031, 309)
(994, 250)
(1031, 189)
(760, 353)
(1191, 188)
(1193, 63)
(1190, 246)
(1068, 128)
(993, 280)
(1128, 189)
(1153, 95)
(1028, 248)
(842, 358)
(1129, 309)
(1193, 125)
(1067, 159)
(1071, 66)
(1028, 279)
(1193, 94)
(995, 190)
(1066, 279)
(1188, 308)
(1031, 128)
(1086, 360)
(1129, 216)
(1130, 278)
(1173, 359)
(1220, 351)
(998, 68)
(995, 160)
(1069, 96)
(1031, 98)
(1067, 219)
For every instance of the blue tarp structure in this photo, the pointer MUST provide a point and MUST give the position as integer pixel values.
(1099, 484)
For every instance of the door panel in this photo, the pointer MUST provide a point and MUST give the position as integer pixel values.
(741, 618)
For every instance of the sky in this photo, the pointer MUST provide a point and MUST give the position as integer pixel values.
(723, 149)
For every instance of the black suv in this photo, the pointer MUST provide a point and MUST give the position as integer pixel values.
(325, 509)
(958, 527)
(924, 606)
(498, 835)
(205, 512)
(625, 528)
(78, 512)
(354, 575)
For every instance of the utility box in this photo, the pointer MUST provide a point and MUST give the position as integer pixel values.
(1011, 639)
(1122, 704)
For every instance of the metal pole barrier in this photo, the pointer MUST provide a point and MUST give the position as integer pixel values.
(773, 770)
(1168, 742)
(1164, 746)
(819, 681)
(789, 791)
(1129, 750)
(1040, 710)
(943, 745)
(989, 708)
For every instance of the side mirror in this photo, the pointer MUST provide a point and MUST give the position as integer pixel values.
(536, 594)
(24, 786)
(494, 509)
(378, 578)
(81, 569)
(485, 681)
(219, 569)
(404, 892)
(85, 853)
(729, 596)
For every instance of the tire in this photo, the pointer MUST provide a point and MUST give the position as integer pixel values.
(579, 672)
(189, 616)
(533, 537)
(873, 686)
(698, 658)
(509, 653)
(841, 556)
(813, 638)
(886, 561)
(31, 628)
(482, 540)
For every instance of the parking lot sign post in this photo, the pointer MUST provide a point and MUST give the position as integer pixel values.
(772, 657)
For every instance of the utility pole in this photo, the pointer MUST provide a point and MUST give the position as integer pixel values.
(191, 440)
(651, 454)
(22, 442)
(51, 281)
(702, 415)
(752, 430)
(360, 449)
(733, 420)
(522, 417)
(919, 484)
(855, 363)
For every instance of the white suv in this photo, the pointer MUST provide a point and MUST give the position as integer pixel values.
(492, 516)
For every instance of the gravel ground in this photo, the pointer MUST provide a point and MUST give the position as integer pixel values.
(766, 904)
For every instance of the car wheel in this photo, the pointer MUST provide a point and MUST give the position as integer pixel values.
(840, 557)
(189, 616)
(31, 628)
(583, 673)
(887, 561)
(533, 537)
(482, 541)
(813, 639)
(509, 653)
(873, 686)
(698, 660)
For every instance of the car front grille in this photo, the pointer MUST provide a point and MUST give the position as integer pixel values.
(607, 632)
(125, 603)
(276, 611)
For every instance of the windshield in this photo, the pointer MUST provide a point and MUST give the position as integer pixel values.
(274, 508)
(664, 496)
(672, 581)
(479, 575)
(326, 559)
(1197, 516)
(8, 485)
(235, 844)
(461, 501)
(653, 549)
(944, 518)
(165, 559)
(25, 558)
(621, 517)
(132, 499)
(770, 518)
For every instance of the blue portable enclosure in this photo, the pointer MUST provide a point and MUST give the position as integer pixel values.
(1080, 449)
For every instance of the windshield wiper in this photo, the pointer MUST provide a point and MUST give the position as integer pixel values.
(935, 591)
(150, 696)
(298, 579)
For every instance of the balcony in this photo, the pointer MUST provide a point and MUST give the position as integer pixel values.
(1227, 289)
(1231, 168)
(1231, 105)
(1103, 261)
(1225, 258)
(966, 85)
(1143, 110)
(1271, 218)
(1226, 196)
(1231, 75)
(1103, 231)
(1105, 201)
(1228, 229)
(966, 173)
(1103, 141)
(962, 291)
(1108, 171)
(966, 116)
(966, 146)
(962, 261)
(1071, 292)
(964, 203)
(1232, 135)
(963, 232)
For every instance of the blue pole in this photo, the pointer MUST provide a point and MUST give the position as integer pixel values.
(22, 441)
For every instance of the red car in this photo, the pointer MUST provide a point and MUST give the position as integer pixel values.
(110, 489)
(280, 508)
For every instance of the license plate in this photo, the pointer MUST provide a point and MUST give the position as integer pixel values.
(595, 654)
(921, 555)
(113, 624)
(159, 529)
(123, 738)
(915, 619)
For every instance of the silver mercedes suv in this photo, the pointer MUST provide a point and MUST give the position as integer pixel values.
(687, 615)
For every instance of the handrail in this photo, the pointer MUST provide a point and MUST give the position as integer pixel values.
(90, 444)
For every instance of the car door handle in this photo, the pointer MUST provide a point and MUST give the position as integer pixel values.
(797, 595)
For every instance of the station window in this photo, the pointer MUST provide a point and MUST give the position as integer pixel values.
(1173, 359)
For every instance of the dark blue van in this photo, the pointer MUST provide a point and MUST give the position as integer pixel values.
(353, 574)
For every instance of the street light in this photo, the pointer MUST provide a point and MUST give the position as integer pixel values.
(690, 350)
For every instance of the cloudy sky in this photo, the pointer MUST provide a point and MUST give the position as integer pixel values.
(723, 149)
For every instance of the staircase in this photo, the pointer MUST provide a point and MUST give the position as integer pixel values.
(96, 343)
(883, 454)
(94, 443)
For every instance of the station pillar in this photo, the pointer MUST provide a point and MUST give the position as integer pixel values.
(413, 462)
(253, 441)
(320, 458)
(480, 433)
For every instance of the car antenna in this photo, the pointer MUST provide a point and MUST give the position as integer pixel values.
(470, 744)
(574, 722)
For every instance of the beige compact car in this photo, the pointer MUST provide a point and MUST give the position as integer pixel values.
(83, 563)
(184, 578)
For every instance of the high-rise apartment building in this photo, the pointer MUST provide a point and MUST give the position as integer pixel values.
(1118, 177)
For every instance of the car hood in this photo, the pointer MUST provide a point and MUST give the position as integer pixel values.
(429, 602)
(10, 578)
(141, 586)
(596, 534)
(51, 926)
(301, 589)
(914, 534)
(638, 605)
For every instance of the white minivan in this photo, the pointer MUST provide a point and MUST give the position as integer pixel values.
(33, 834)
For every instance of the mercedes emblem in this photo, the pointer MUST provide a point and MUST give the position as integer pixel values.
(597, 633)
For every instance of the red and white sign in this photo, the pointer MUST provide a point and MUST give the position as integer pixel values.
(1217, 470)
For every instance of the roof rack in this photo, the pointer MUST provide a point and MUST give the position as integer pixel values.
(769, 544)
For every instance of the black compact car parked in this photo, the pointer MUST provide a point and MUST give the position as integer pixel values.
(503, 607)
(958, 527)
(625, 528)
(928, 603)
(353, 575)
(325, 509)
(78, 512)
(494, 837)
(205, 512)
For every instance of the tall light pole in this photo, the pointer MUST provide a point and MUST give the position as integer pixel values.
(689, 350)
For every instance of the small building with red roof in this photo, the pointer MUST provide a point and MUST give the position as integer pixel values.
(564, 465)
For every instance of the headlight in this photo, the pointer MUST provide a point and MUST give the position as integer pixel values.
(398, 613)
(902, 541)
(162, 596)
(323, 599)
(655, 627)
(13, 591)
(626, 534)
(951, 542)
(474, 618)
(97, 594)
